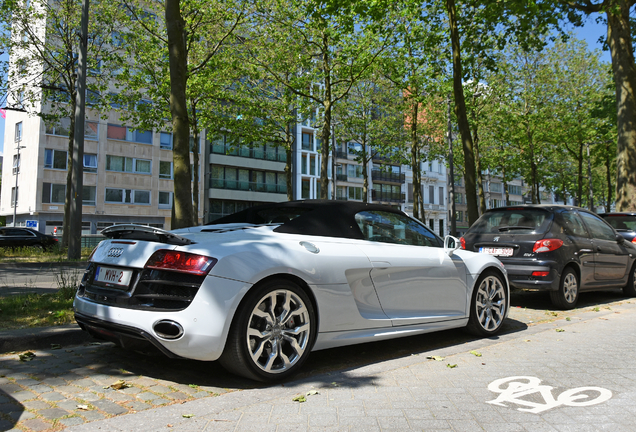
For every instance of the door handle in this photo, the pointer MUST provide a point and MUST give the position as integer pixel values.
(585, 250)
(598, 248)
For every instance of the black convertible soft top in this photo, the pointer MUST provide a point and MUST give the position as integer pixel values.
(310, 217)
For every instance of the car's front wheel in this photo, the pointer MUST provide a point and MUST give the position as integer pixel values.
(568, 293)
(489, 304)
(272, 333)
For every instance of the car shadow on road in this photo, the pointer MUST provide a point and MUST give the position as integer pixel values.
(540, 300)
(10, 409)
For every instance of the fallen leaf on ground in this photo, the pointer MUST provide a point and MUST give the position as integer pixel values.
(312, 392)
(335, 384)
(451, 365)
(300, 398)
(475, 353)
(82, 407)
(560, 330)
(27, 356)
(436, 358)
(188, 415)
(118, 385)
(568, 319)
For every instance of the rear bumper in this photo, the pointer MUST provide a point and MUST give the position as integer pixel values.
(520, 274)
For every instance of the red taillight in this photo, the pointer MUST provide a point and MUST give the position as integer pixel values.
(180, 262)
(634, 240)
(540, 273)
(547, 245)
(462, 242)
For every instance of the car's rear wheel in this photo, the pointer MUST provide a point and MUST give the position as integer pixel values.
(630, 289)
(272, 333)
(489, 304)
(568, 293)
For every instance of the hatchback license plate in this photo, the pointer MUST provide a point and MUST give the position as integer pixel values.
(113, 276)
(496, 251)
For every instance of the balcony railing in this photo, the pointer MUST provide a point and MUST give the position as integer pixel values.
(388, 176)
(387, 196)
(247, 186)
(342, 177)
(342, 154)
(272, 154)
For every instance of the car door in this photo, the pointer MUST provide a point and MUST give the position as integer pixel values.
(415, 280)
(610, 257)
(578, 237)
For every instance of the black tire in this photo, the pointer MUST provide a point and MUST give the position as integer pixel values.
(630, 289)
(489, 304)
(568, 293)
(285, 339)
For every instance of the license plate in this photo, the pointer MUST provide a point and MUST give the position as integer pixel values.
(496, 251)
(112, 276)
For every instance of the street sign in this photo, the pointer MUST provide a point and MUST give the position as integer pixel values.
(32, 224)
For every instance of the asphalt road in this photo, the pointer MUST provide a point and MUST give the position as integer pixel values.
(37, 277)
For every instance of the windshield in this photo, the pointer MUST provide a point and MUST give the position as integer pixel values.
(511, 221)
(622, 222)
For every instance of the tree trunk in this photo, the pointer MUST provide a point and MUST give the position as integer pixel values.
(480, 179)
(66, 222)
(288, 162)
(608, 174)
(462, 118)
(620, 43)
(365, 176)
(579, 189)
(177, 57)
(418, 208)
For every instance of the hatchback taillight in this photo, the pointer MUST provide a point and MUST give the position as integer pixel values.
(634, 240)
(462, 242)
(547, 245)
(180, 262)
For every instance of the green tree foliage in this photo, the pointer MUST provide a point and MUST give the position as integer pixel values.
(44, 46)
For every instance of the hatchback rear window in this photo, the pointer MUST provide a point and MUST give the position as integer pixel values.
(521, 221)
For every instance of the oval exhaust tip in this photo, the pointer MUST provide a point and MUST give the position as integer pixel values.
(168, 329)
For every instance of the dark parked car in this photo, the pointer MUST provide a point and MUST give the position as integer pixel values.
(25, 237)
(561, 249)
(623, 223)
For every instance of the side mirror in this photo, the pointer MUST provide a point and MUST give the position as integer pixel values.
(451, 244)
(619, 238)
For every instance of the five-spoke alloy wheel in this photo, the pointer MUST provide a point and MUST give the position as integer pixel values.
(489, 305)
(273, 333)
(568, 293)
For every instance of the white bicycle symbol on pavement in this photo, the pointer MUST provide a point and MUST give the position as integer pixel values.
(520, 386)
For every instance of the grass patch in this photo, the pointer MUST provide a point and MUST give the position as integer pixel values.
(41, 310)
(35, 255)
(37, 310)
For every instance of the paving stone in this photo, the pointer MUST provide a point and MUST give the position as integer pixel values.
(160, 401)
(36, 405)
(53, 396)
(89, 397)
(143, 381)
(177, 396)
(83, 383)
(92, 415)
(138, 406)
(69, 404)
(119, 397)
(109, 407)
(147, 396)
(22, 396)
(36, 424)
(159, 389)
(10, 388)
(20, 415)
(72, 421)
(53, 413)
(27, 382)
(5, 425)
(69, 389)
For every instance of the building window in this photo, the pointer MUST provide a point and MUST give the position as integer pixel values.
(307, 141)
(431, 224)
(355, 171)
(16, 163)
(355, 193)
(495, 187)
(165, 140)
(127, 196)
(91, 130)
(165, 170)
(312, 165)
(431, 194)
(165, 200)
(459, 216)
(305, 189)
(440, 166)
(55, 159)
(441, 228)
(125, 133)
(60, 128)
(354, 148)
(90, 163)
(14, 197)
(53, 193)
(88, 195)
(514, 189)
(18, 132)
(126, 164)
(303, 169)
(458, 198)
(441, 195)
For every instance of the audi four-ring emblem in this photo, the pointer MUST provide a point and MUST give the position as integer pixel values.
(115, 252)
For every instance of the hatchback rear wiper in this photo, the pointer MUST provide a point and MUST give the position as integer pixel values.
(511, 228)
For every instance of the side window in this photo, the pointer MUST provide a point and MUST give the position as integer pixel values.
(598, 228)
(573, 225)
(387, 227)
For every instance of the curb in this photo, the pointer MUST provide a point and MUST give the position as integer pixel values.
(42, 338)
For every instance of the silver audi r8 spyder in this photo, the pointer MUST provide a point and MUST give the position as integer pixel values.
(259, 289)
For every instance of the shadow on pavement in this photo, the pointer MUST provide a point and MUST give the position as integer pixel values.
(10, 409)
(540, 300)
